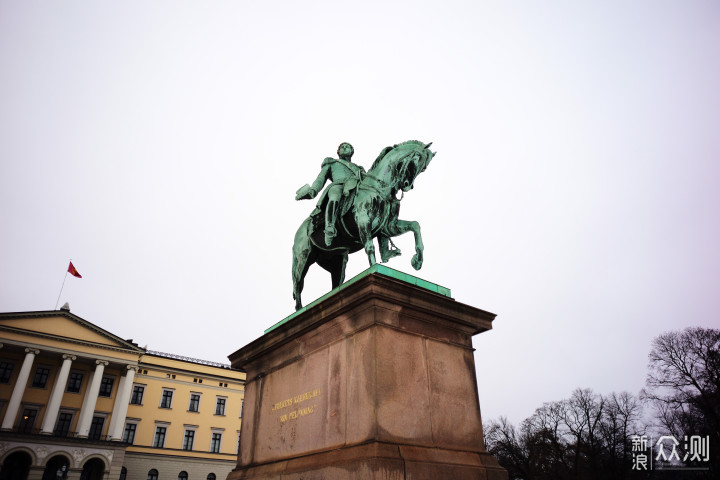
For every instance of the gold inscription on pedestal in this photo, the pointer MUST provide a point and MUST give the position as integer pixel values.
(283, 404)
(294, 400)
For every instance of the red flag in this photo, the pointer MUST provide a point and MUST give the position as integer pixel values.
(73, 271)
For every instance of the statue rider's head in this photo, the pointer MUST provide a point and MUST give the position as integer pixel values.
(345, 151)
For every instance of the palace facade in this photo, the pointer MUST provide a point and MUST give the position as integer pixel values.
(80, 403)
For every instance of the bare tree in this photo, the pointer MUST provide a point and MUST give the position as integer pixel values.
(590, 436)
(683, 384)
(582, 417)
(587, 436)
(546, 436)
(620, 423)
(503, 441)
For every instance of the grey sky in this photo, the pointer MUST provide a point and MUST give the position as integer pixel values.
(575, 190)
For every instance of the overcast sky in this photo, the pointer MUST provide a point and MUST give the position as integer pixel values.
(574, 193)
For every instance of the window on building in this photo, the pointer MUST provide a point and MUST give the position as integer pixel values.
(215, 442)
(194, 402)
(137, 394)
(62, 427)
(159, 440)
(123, 473)
(106, 386)
(74, 382)
(41, 377)
(129, 434)
(242, 407)
(189, 439)
(183, 475)
(152, 475)
(6, 369)
(96, 428)
(166, 401)
(220, 406)
(27, 420)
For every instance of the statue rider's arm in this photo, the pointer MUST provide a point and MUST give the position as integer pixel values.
(311, 191)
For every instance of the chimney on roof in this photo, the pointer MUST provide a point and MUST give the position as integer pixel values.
(65, 307)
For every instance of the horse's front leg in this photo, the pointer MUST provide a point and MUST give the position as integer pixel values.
(364, 223)
(403, 226)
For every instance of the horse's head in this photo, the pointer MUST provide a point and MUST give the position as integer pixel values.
(398, 166)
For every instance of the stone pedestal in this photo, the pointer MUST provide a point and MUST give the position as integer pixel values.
(376, 380)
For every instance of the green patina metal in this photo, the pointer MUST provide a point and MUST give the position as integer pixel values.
(377, 268)
(356, 208)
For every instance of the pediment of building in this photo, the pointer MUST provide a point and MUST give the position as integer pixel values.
(61, 326)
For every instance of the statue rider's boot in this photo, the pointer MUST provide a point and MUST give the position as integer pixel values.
(330, 234)
(330, 217)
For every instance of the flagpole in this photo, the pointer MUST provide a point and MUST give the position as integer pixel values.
(61, 288)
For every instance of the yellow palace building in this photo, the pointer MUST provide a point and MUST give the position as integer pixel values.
(79, 403)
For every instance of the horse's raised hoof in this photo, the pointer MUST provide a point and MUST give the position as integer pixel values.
(386, 255)
(416, 262)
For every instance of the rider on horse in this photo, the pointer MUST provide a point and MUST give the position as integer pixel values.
(344, 176)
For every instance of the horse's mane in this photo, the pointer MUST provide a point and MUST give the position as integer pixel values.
(386, 150)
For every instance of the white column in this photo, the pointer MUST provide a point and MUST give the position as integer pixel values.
(19, 390)
(116, 406)
(91, 396)
(53, 406)
(117, 423)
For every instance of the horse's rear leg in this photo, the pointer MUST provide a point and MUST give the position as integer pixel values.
(298, 265)
(302, 259)
(335, 264)
(339, 277)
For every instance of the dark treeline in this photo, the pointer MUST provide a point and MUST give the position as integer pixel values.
(598, 437)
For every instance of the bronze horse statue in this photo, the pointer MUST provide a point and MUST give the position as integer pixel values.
(370, 211)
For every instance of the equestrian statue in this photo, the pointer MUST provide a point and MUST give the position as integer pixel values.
(355, 208)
